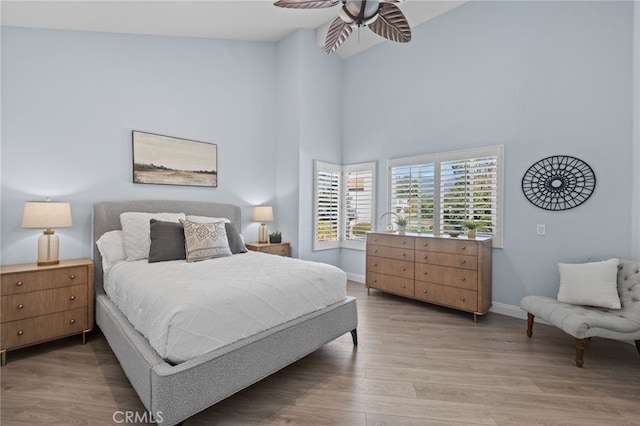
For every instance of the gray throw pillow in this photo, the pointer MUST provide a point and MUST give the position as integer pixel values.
(235, 240)
(167, 241)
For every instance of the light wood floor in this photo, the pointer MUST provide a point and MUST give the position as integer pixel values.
(416, 364)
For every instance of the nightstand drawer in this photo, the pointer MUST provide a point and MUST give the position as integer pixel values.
(41, 280)
(27, 331)
(280, 250)
(32, 304)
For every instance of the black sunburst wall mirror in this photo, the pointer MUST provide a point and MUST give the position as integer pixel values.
(559, 182)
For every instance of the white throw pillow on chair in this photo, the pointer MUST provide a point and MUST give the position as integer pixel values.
(590, 284)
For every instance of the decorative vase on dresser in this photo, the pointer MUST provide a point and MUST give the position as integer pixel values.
(43, 303)
(452, 272)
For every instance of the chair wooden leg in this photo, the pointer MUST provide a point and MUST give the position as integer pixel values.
(579, 352)
(530, 318)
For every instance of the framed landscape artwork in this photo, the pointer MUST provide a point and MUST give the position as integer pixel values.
(165, 160)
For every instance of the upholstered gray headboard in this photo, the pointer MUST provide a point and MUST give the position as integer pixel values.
(106, 217)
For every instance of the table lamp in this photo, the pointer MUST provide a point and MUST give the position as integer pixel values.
(47, 214)
(262, 214)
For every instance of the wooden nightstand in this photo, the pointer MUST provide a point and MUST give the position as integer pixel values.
(42, 303)
(281, 249)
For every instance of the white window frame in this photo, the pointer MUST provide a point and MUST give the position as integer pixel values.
(341, 240)
(437, 159)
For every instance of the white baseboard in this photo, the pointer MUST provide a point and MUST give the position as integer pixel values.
(356, 277)
(508, 310)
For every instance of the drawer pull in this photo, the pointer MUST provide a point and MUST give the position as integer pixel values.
(424, 273)
(463, 261)
(375, 239)
(403, 286)
(72, 276)
(424, 291)
(20, 333)
(404, 269)
(20, 306)
(404, 242)
(72, 298)
(375, 264)
(375, 281)
(72, 321)
(425, 244)
(425, 258)
(463, 247)
(375, 250)
(463, 299)
(463, 279)
(19, 283)
(404, 254)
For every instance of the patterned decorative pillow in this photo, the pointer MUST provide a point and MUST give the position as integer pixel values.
(205, 240)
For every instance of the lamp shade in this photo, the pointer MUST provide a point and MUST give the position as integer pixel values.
(262, 214)
(46, 214)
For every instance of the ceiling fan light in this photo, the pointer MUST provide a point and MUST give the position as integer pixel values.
(360, 12)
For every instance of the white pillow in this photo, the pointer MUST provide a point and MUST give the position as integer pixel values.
(111, 248)
(591, 284)
(137, 231)
(205, 219)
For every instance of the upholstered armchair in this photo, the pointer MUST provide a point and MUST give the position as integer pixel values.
(617, 321)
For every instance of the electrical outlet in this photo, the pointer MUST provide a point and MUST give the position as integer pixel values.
(541, 230)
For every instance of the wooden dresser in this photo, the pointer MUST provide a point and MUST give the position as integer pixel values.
(281, 249)
(42, 303)
(453, 272)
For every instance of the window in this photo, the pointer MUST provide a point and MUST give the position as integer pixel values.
(343, 204)
(437, 192)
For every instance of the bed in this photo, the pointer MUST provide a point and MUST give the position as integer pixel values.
(174, 392)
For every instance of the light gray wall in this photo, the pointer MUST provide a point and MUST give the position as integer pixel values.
(542, 78)
(309, 124)
(69, 103)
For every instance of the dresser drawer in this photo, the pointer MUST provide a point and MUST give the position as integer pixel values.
(391, 252)
(382, 265)
(390, 240)
(41, 280)
(446, 259)
(36, 303)
(391, 284)
(462, 278)
(443, 245)
(24, 332)
(459, 298)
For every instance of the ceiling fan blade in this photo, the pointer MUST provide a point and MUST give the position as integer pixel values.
(338, 33)
(391, 24)
(306, 4)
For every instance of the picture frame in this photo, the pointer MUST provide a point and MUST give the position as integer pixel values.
(168, 160)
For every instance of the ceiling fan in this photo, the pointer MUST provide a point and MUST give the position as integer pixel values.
(382, 17)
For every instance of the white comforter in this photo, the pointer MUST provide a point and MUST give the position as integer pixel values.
(188, 309)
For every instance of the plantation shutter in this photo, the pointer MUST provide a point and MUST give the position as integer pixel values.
(468, 191)
(412, 195)
(328, 202)
(358, 204)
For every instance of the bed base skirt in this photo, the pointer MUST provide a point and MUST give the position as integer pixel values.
(174, 393)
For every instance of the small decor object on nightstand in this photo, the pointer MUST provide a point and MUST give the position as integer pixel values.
(275, 237)
(47, 214)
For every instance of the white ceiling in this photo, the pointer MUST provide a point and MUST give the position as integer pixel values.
(249, 20)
